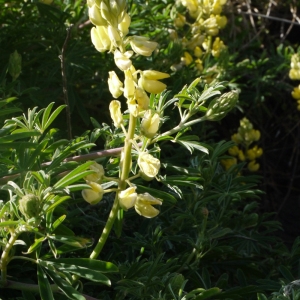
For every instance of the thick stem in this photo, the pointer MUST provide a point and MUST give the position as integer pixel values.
(125, 169)
(5, 257)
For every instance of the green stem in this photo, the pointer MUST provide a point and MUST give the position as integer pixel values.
(125, 169)
(5, 257)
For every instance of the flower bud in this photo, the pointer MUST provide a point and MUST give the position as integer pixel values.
(127, 198)
(100, 38)
(98, 175)
(29, 206)
(93, 195)
(15, 65)
(149, 165)
(150, 124)
(218, 108)
(141, 45)
(115, 85)
(129, 86)
(122, 59)
(143, 205)
(115, 112)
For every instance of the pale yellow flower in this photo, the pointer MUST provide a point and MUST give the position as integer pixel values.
(98, 175)
(141, 45)
(150, 124)
(144, 205)
(127, 198)
(115, 85)
(124, 25)
(115, 112)
(187, 58)
(149, 165)
(141, 98)
(100, 38)
(96, 16)
(122, 60)
(129, 86)
(93, 195)
(149, 81)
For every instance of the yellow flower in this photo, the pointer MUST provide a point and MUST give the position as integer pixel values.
(211, 26)
(129, 86)
(141, 98)
(296, 92)
(149, 81)
(114, 84)
(228, 162)
(122, 60)
(179, 21)
(100, 38)
(93, 195)
(149, 165)
(124, 25)
(150, 124)
(253, 166)
(127, 198)
(95, 16)
(294, 74)
(199, 65)
(114, 35)
(144, 205)
(221, 21)
(141, 45)
(98, 175)
(198, 52)
(115, 112)
(241, 155)
(250, 153)
(233, 151)
(187, 58)
(217, 47)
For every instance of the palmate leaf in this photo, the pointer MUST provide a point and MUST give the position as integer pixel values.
(48, 120)
(44, 285)
(74, 175)
(63, 285)
(191, 145)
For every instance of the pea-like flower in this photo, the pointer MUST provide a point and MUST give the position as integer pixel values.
(98, 175)
(115, 112)
(142, 98)
(149, 165)
(122, 60)
(253, 166)
(127, 198)
(141, 45)
(150, 124)
(296, 93)
(93, 195)
(149, 81)
(144, 205)
(115, 85)
(124, 25)
(100, 38)
(96, 16)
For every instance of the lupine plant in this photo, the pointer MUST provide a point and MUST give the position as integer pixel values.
(40, 173)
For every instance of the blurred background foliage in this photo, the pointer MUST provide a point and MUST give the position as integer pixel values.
(225, 235)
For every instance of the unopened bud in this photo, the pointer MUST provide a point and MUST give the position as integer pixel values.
(15, 65)
(29, 206)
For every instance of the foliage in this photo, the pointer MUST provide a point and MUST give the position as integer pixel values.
(215, 234)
